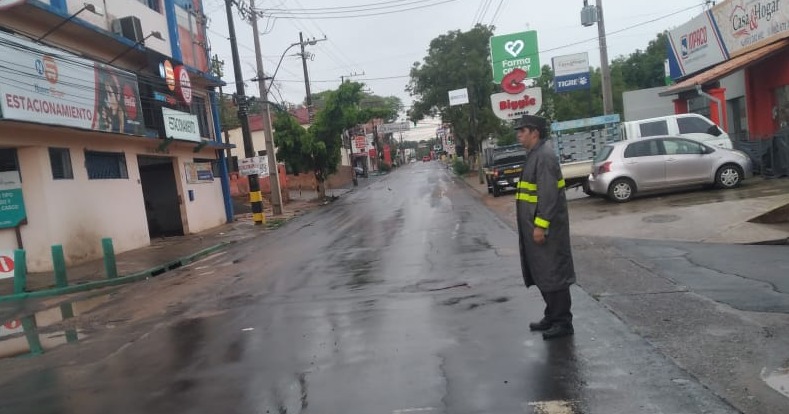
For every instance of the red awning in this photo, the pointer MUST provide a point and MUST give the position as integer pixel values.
(726, 68)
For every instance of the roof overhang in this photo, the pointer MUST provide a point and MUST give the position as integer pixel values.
(725, 69)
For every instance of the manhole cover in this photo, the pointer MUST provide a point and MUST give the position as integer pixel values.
(661, 218)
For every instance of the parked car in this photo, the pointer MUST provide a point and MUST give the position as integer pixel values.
(426, 158)
(625, 168)
(694, 126)
(504, 168)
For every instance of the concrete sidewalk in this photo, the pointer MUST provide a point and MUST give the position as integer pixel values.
(171, 249)
(709, 216)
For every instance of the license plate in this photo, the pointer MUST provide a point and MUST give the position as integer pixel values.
(513, 171)
(516, 179)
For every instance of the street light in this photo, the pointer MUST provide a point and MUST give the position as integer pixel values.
(87, 6)
(156, 35)
(589, 16)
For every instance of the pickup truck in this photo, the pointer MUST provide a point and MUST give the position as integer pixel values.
(505, 165)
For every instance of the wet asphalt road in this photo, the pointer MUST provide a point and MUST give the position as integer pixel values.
(403, 297)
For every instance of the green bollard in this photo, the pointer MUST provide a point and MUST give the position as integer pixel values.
(59, 263)
(20, 271)
(31, 332)
(109, 258)
(67, 312)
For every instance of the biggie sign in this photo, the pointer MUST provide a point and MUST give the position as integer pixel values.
(508, 107)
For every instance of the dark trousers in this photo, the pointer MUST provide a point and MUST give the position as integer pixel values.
(557, 307)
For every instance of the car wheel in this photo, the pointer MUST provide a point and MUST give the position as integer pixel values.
(496, 191)
(729, 176)
(621, 190)
(587, 190)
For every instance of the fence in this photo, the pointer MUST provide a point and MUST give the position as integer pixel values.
(770, 155)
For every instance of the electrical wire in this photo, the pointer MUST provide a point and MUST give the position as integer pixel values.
(496, 13)
(484, 12)
(348, 9)
(323, 16)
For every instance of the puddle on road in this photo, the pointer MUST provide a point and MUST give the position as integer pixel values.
(29, 335)
(777, 380)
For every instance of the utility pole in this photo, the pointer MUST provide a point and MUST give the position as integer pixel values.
(589, 16)
(273, 171)
(350, 75)
(306, 76)
(255, 197)
(217, 66)
(608, 99)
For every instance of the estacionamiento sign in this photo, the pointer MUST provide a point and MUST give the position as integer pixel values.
(49, 86)
(515, 50)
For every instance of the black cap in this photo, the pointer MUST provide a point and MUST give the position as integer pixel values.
(533, 121)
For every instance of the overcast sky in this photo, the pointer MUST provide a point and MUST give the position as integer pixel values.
(385, 42)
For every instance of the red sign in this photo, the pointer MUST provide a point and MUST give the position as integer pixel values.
(6, 264)
(13, 324)
(360, 143)
(168, 74)
(183, 85)
(516, 104)
(512, 83)
(387, 154)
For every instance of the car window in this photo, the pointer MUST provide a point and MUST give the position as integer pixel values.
(651, 129)
(604, 153)
(693, 125)
(682, 147)
(642, 149)
(512, 159)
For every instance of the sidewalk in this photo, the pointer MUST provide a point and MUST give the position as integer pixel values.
(170, 250)
(708, 216)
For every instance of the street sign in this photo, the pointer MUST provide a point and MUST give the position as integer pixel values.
(12, 205)
(458, 97)
(6, 264)
(254, 165)
(571, 72)
(515, 50)
(508, 107)
(394, 127)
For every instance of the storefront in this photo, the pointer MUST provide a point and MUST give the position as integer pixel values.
(731, 64)
(83, 158)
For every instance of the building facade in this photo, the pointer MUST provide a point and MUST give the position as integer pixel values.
(731, 63)
(108, 126)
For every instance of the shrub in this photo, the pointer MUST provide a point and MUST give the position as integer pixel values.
(460, 167)
(384, 167)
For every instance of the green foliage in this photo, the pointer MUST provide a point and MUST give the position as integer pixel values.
(456, 60)
(295, 145)
(384, 167)
(639, 70)
(507, 137)
(460, 167)
(389, 107)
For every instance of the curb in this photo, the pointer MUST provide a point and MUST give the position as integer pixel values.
(134, 277)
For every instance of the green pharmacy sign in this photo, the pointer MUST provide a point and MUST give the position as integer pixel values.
(515, 50)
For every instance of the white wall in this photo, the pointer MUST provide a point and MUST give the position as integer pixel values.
(150, 20)
(237, 139)
(734, 84)
(646, 103)
(78, 213)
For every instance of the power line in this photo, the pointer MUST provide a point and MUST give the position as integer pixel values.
(496, 13)
(484, 11)
(323, 16)
(349, 9)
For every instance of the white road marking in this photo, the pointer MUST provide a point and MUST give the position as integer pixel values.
(414, 410)
(552, 407)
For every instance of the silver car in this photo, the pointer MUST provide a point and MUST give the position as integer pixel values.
(624, 168)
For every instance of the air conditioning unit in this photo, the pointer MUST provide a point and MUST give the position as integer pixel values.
(128, 27)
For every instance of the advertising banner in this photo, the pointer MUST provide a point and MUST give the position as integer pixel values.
(509, 107)
(748, 24)
(458, 97)
(180, 125)
(515, 50)
(571, 72)
(696, 45)
(12, 205)
(49, 86)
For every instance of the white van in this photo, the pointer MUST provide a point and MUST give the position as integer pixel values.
(693, 126)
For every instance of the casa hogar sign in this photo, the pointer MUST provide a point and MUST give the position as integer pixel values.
(515, 51)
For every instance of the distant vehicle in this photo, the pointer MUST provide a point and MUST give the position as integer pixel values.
(426, 158)
(504, 168)
(625, 168)
(692, 126)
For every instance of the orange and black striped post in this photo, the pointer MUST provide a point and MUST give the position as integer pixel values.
(255, 197)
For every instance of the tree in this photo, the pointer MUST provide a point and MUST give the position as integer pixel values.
(457, 60)
(392, 104)
(319, 149)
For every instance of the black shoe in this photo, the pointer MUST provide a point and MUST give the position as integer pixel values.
(558, 331)
(542, 325)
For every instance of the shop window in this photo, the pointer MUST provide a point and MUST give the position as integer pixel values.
(738, 119)
(106, 165)
(199, 109)
(154, 5)
(643, 149)
(60, 161)
(651, 129)
(693, 125)
(214, 164)
(8, 161)
(781, 111)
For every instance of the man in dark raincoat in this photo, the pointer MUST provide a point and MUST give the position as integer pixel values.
(544, 228)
